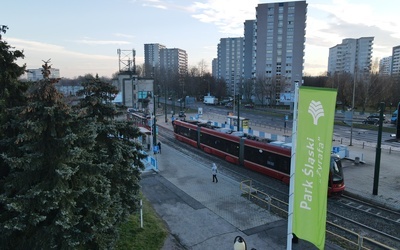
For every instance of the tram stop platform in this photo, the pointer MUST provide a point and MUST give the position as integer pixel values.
(201, 214)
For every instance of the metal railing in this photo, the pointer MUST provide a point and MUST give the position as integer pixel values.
(358, 240)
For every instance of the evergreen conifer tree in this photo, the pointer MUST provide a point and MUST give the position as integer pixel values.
(71, 173)
(12, 93)
(40, 193)
(115, 153)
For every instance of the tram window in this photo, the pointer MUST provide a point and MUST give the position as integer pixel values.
(254, 155)
(270, 161)
(220, 144)
(284, 164)
(267, 159)
(336, 170)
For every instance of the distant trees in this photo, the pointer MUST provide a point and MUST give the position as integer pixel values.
(69, 174)
(370, 90)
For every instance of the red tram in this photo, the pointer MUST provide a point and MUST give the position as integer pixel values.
(139, 119)
(262, 157)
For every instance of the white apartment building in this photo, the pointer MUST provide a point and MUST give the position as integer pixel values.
(158, 57)
(351, 56)
(36, 74)
(385, 66)
(174, 60)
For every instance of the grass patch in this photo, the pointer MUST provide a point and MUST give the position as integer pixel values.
(150, 237)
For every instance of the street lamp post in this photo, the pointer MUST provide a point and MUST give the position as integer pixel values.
(165, 103)
(352, 109)
(154, 122)
(238, 117)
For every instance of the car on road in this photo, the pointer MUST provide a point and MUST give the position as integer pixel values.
(249, 105)
(373, 119)
(229, 105)
(376, 116)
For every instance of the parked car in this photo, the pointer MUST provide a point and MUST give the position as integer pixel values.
(376, 116)
(229, 105)
(249, 105)
(371, 120)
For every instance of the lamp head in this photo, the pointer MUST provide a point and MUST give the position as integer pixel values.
(239, 243)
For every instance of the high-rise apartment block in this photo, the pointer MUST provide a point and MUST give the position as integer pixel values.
(395, 70)
(272, 50)
(174, 60)
(279, 44)
(352, 56)
(158, 57)
(230, 62)
(152, 58)
(385, 66)
(249, 49)
(214, 66)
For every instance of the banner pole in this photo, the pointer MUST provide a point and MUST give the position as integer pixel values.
(292, 168)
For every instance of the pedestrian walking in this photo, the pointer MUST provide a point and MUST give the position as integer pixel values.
(214, 170)
(159, 147)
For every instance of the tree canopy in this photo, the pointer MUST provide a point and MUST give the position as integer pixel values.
(69, 173)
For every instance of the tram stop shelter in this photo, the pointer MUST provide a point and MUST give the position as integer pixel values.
(145, 138)
(232, 122)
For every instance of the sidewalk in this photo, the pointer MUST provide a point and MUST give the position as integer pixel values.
(201, 214)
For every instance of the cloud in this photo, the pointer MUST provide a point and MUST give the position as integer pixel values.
(100, 42)
(228, 17)
(365, 13)
(70, 63)
(154, 4)
(328, 24)
(123, 35)
(33, 45)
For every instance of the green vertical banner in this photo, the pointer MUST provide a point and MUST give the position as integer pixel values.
(316, 112)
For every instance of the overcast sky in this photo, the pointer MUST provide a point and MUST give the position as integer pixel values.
(82, 36)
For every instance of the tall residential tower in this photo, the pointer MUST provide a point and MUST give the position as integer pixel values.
(230, 62)
(395, 70)
(152, 58)
(174, 60)
(279, 45)
(352, 56)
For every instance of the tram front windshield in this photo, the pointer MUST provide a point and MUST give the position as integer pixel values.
(336, 170)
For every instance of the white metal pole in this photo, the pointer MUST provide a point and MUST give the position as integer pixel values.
(292, 168)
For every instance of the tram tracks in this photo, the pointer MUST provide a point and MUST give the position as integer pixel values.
(372, 222)
(369, 208)
(351, 223)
